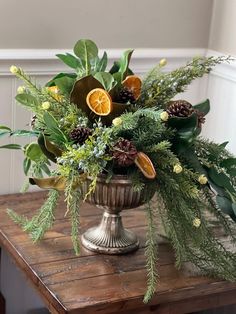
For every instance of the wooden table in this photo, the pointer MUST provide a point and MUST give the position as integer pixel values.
(93, 283)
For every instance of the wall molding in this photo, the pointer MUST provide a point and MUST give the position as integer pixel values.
(45, 62)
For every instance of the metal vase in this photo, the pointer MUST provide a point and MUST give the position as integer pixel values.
(110, 237)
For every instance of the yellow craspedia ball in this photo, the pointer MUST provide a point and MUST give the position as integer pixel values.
(177, 168)
(164, 116)
(163, 62)
(20, 89)
(14, 69)
(117, 121)
(196, 222)
(46, 105)
(202, 179)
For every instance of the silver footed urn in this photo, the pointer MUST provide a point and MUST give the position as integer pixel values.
(110, 237)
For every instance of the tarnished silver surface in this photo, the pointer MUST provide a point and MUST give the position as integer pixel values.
(110, 237)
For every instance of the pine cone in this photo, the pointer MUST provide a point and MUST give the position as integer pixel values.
(180, 108)
(80, 134)
(126, 96)
(124, 153)
(32, 122)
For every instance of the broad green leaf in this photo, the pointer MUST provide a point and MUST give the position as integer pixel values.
(102, 64)
(204, 106)
(124, 63)
(86, 49)
(11, 146)
(45, 169)
(224, 204)
(232, 171)
(220, 179)
(69, 60)
(115, 68)
(27, 100)
(26, 165)
(33, 152)
(65, 84)
(3, 133)
(55, 133)
(47, 153)
(234, 208)
(3, 127)
(60, 75)
(106, 79)
(228, 163)
(223, 145)
(180, 123)
(24, 133)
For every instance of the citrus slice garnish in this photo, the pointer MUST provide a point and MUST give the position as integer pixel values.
(99, 101)
(144, 163)
(133, 83)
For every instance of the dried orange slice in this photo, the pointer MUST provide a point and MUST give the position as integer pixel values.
(99, 101)
(144, 163)
(133, 83)
(55, 92)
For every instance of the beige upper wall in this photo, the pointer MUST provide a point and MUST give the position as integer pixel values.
(111, 23)
(223, 27)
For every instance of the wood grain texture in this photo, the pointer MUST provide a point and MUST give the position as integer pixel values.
(93, 283)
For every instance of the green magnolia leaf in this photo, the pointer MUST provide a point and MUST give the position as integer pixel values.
(204, 106)
(60, 75)
(223, 145)
(26, 165)
(24, 133)
(106, 79)
(181, 123)
(224, 204)
(3, 127)
(65, 84)
(27, 100)
(42, 143)
(187, 134)
(216, 188)
(234, 208)
(102, 63)
(11, 146)
(220, 179)
(80, 91)
(33, 152)
(232, 171)
(86, 49)
(69, 60)
(115, 68)
(45, 169)
(3, 133)
(228, 163)
(55, 133)
(124, 63)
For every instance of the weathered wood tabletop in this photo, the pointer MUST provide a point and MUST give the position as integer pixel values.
(93, 283)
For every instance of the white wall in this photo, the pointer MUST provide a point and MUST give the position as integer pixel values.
(223, 27)
(113, 24)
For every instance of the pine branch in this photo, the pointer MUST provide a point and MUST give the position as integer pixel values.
(151, 254)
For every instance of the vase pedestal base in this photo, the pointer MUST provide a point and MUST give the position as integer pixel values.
(110, 237)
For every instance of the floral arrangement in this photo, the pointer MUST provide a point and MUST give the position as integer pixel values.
(91, 121)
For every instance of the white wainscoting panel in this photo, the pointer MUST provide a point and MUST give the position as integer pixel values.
(42, 65)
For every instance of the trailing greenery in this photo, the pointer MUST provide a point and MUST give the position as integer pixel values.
(92, 122)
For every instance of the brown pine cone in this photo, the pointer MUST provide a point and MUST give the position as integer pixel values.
(80, 134)
(179, 108)
(124, 153)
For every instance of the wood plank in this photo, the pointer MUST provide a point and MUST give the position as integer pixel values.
(92, 283)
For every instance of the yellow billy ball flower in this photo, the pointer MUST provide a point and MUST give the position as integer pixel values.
(177, 168)
(196, 222)
(164, 116)
(46, 105)
(162, 62)
(117, 121)
(14, 69)
(20, 89)
(202, 179)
